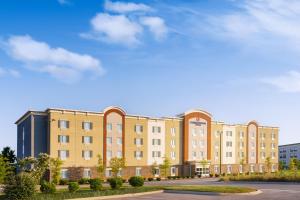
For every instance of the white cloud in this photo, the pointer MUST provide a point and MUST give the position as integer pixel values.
(62, 2)
(2, 71)
(60, 63)
(115, 29)
(261, 21)
(289, 82)
(9, 72)
(156, 25)
(122, 7)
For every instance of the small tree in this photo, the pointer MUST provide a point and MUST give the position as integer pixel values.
(116, 165)
(55, 168)
(153, 168)
(9, 155)
(268, 164)
(165, 167)
(100, 166)
(293, 166)
(4, 169)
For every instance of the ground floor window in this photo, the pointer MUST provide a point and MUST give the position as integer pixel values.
(241, 169)
(108, 173)
(261, 168)
(86, 173)
(216, 168)
(64, 173)
(251, 168)
(274, 168)
(138, 171)
(173, 171)
(229, 169)
(156, 172)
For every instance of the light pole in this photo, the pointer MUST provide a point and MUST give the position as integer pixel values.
(220, 136)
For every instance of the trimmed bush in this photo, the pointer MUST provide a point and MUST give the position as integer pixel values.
(96, 184)
(115, 183)
(169, 177)
(47, 188)
(158, 179)
(136, 181)
(73, 187)
(150, 179)
(20, 187)
(63, 182)
(84, 181)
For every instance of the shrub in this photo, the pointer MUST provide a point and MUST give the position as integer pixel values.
(211, 175)
(21, 186)
(150, 179)
(217, 175)
(115, 183)
(84, 181)
(136, 181)
(48, 188)
(169, 177)
(158, 179)
(96, 184)
(73, 187)
(63, 182)
(124, 180)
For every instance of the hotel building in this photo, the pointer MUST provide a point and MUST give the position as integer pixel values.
(192, 141)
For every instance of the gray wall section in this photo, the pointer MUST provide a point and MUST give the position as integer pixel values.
(40, 130)
(40, 134)
(25, 127)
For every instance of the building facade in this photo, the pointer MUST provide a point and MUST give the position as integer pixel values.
(192, 141)
(288, 152)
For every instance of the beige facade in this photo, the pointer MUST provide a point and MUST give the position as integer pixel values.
(77, 137)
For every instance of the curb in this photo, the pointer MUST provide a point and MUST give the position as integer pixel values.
(212, 193)
(119, 196)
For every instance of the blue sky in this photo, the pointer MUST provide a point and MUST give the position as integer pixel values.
(238, 60)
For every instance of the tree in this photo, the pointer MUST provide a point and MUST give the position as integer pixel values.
(55, 167)
(268, 164)
(165, 167)
(116, 164)
(153, 168)
(293, 166)
(9, 155)
(100, 166)
(4, 169)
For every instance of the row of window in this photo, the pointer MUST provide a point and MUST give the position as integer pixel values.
(241, 170)
(242, 134)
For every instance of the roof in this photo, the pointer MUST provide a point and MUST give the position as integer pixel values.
(284, 145)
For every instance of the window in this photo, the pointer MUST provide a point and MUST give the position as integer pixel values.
(228, 144)
(108, 154)
(87, 139)
(63, 124)
(241, 154)
(173, 131)
(217, 133)
(273, 136)
(273, 155)
(87, 126)
(263, 155)
(119, 141)
(252, 145)
(87, 155)
(119, 154)
(201, 142)
(216, 145)
(252, 154)
(173, 171)
(119, 128)
(241, 134)
(216, 155)
(229, 154)
(156, 172)
(86, 173)
(138, 128)
(138, 154)
(263, 136)
(172, 143)
(138, 141)
(241, 145)
(252, 134)
(201, 132)
(109, 140)
(263, 145)
(193, 131)
(156, 129)
(64, 173)
(201, 153)
(229, 169)
(251, 168)
(194, 155)
(173, 155)
(156, 154)
(216, 169)
(63, 139)
(229, 133)
(138, 171)
(109, 127)
(261, 168)
(273, 145)
(241, 169)
(155, 141)
(63, 154)
(194, 143)
(108, 173)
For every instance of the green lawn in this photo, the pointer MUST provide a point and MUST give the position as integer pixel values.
(84, 193)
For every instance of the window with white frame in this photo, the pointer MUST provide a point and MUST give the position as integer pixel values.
(273, 146)
(251, 168)
(252, 154)
(86, 173)
(138, 128)
(241, 154)
(194, 143)
(229, 169)
(262, 135)
(63, 139)
(202, 143)
(229, 144)
(252, 134)
(217, 133)
(173, 155)
(229, 154)
(119, 141)
(173, 131)
(263, 155)
(108, 155)
(108, 140)
(64, 173)
(63, 154)
(241, 145)
(119, 128)
(263, 145)
(201, 154)
(156, 142)
(201, 132)
(87, 139)
(252, 145)
(87, 154)
(138, 154)
(119, 154)
(273, 155)
(108, 173)
(87, 126)
(241, 134)
(156, 129)
(241, 168)
(261, 168)
(63, 124)
(193, 131)
(216, 169)
(229, 133)
(109, 127)
(194, 155)
(156, 171)
(156, 154)
(173, 171)
(138, 171)
(138, 141)
(173, 143)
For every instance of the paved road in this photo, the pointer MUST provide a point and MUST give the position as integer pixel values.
(270, 191)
